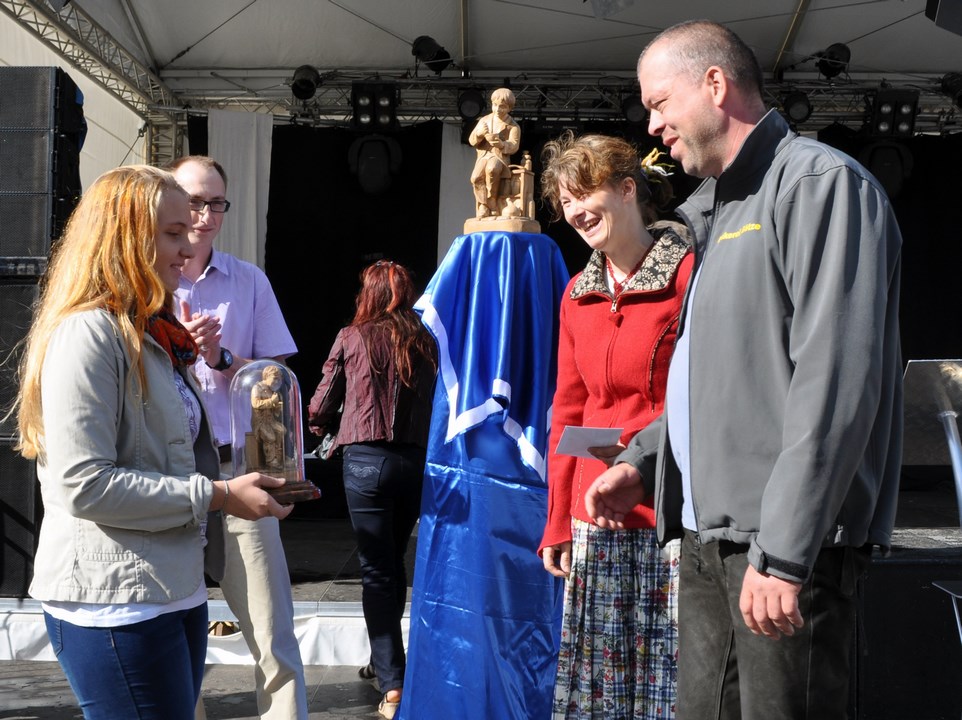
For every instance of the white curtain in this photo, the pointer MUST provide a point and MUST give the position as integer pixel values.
(241, 142)
(457, 197)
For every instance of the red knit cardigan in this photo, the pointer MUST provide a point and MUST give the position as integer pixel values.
(613, 366)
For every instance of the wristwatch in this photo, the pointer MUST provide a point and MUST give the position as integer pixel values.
(225, 361)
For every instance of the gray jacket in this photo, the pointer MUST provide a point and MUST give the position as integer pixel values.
(796, 375)
(123, 496)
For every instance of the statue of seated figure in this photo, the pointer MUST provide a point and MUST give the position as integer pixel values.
(503, 193)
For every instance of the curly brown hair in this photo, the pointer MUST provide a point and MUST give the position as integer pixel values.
(586, 163)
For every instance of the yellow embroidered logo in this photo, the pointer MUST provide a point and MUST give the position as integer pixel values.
(748, 227)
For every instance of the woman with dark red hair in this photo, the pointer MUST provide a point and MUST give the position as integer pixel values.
(381, 370)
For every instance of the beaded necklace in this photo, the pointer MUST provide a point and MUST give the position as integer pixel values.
(618, 287)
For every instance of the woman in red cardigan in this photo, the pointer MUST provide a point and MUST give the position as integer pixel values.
(619, 317)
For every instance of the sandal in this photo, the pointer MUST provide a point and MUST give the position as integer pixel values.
(387, 709)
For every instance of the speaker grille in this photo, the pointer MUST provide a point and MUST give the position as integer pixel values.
(24, 225)
(25, 161)
(29, 97)
(16, 303)
(40, 122)
(20, 515)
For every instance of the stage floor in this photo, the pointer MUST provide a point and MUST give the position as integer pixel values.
(322, 557)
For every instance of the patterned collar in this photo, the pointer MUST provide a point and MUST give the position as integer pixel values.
(671, 244)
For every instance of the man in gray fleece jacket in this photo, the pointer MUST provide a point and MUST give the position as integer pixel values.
(777, 458)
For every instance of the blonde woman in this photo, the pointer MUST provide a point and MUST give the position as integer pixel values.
(127, 468)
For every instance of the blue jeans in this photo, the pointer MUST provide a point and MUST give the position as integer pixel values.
(727, 673)
(151, 670)
(382, 482)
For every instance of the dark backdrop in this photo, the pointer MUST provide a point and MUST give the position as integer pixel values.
(931, 304)
(323, 229)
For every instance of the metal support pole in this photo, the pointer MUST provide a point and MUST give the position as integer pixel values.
(948, 418)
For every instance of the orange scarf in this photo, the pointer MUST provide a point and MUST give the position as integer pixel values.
(166, 329)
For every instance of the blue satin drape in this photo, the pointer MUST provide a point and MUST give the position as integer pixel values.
(485, 615)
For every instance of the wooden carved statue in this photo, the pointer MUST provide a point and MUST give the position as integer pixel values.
(496, 137)
(272, 445)
(503, 193)
(267, 406)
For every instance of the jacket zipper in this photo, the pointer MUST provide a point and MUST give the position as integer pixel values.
(610, 353)
(651, 361)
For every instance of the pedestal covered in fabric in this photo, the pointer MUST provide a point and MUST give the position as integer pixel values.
(485, 616)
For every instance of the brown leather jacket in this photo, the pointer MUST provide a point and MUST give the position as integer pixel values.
(377, 405)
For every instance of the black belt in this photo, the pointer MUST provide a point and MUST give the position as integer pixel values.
(224, 451)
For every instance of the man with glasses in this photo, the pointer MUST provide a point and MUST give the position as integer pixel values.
(230, 309)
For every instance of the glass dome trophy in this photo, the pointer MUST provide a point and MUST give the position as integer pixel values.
(266, 429)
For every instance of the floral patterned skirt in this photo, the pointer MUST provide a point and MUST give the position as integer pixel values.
(619, 635)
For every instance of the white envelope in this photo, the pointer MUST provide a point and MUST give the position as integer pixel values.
(576, 440)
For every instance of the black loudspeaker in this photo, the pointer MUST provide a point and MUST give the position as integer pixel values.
(41, 129)
(947, 14)
(908, 657)
(20, 516)
(17, 296)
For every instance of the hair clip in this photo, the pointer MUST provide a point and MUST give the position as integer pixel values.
(651, 167)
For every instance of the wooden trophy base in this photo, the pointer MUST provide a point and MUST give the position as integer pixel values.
(501, 224)
(294, 489)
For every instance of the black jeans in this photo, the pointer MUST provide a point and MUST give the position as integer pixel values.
(383, 484)
(727, 673)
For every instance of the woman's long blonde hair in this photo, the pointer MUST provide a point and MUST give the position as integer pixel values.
(105, 259)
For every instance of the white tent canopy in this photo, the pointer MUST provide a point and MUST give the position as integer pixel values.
(153, 63)
(567, 56)
(188, 42)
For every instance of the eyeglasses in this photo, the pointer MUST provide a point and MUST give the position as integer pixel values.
(216, 206)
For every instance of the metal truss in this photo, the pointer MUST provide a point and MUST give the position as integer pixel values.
(86, 45)
(850, 103)
(565, 98)
(546, 96)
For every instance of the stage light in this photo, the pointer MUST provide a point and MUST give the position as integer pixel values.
(305, 82)
(427, 51)
(893, 113)
(797, 106)
(375, 159)
(952, 87)
(633, 110)
(890, 162)
(833, 61)
(470, 103)
(375, 105)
